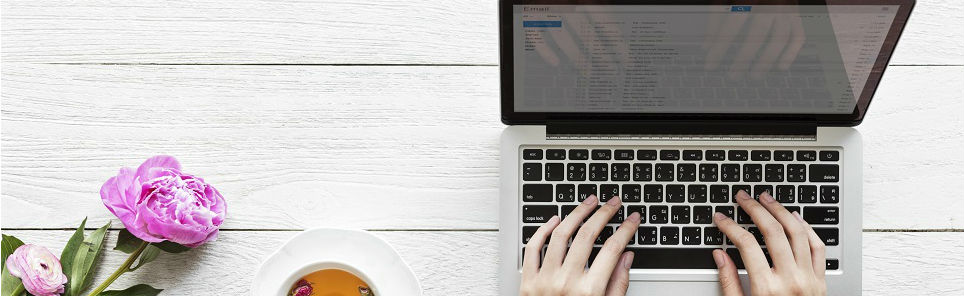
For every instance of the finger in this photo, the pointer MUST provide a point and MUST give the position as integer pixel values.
(797, 37)
(729, 279)
(726, 34)
(797, 232)
(559, 243)
(567, 43)
(773, 235)
(619, 281)
(547, 54)
(779, 36)
(530, 266)
(609, 254)
(582, 243)
(750, 251)
(755, 37)
(817, 249)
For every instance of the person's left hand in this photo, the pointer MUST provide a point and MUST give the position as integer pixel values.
(563, 271)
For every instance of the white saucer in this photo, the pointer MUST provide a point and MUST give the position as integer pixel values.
(359, 252)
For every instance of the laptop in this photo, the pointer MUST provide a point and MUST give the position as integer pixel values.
(675, 108)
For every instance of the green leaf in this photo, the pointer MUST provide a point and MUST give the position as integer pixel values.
(135, 290)
(171, 247)
(127, 242)
(96, 241)
(8, 244)
(10, 284)
(83, 261)
(69, 252)
(149, 254)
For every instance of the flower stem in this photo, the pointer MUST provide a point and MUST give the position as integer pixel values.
(120, 270)
(19, 290)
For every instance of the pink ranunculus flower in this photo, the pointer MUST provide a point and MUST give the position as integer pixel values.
(158, 202)
(38, 269)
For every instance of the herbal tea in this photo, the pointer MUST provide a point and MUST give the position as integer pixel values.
(331, 282)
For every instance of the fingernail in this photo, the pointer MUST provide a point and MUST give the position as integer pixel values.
(766, 197)
(613, 201)
(719, 216)
(742, 195)
(635, 217)
(799, 218)
(590, 200)
(718, 257)
(628, 260)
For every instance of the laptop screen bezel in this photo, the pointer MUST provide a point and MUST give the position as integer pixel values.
(511, 117)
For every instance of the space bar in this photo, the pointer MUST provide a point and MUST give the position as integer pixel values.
(672, 258)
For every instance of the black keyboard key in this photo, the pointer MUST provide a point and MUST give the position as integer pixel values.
(669, 235)
(807, 194)
(821, 215)
(642, 172)
(566, 210)
(686, 172)
(538, 214)
(637, 209)
(737, 155)
(730, 172)
(672, 258)
(832, 264)
(738, 260)
(785, 194)
(624, 155)
(647, 235)
(669, 155)
(774, 172)
(702, 215)
(696, 193)
(576, 172)
(620, 172)
(618, 217)
(604, 234)
(715, 155)
(736, 189)
(692, 235)
(752, 172)
(783, 155)
(742, 216)
(602, 154)
(829, 194)
(608, 191)
(565, 192)
(806, 155)
(537, 192)
(658, 214)
(528, 232)
(555, 171)
(585, 190)
(830, 236)
(725, 210)
(646, 154)
(829, 155)
(796, 173)
(532, 172)
(692, 155)
(555, 154)
(675, 193)
(824, 173)
(652, 193)
(532, 154)
(578, 154)
(757, 234)
(598, 172)
(680, 215)
(632, 193)
(792, 209)
(719, 193)
(712, 236)
(709, 172)
(760, 155)
(760, 189)
(664, 172)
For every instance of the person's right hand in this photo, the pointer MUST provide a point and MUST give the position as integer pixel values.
(796, 250)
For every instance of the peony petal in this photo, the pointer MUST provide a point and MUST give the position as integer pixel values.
(158, 161)
(119, 195)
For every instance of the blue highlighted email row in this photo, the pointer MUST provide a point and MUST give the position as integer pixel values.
(541, 24)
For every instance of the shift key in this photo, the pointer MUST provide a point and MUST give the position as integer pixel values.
(821, 215)
(824, 173)
(538, 214)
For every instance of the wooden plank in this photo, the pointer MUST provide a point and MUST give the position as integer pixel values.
(465, 263)
(324, 32)
(373, 147)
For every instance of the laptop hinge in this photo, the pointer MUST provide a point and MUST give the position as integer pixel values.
(681, 130)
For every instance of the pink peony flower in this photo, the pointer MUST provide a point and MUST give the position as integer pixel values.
(157, 202)
(38, 269)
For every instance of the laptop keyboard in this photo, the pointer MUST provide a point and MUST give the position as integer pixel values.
(677, 190)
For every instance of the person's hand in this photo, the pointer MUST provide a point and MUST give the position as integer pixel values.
(563, 271)
(772, 39)
(796, 250)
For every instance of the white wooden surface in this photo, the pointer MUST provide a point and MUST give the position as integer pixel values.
(240, 92)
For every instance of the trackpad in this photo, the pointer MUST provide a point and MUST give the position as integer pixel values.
(673, 288)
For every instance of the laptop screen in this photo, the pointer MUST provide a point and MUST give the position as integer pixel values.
(693, 59)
